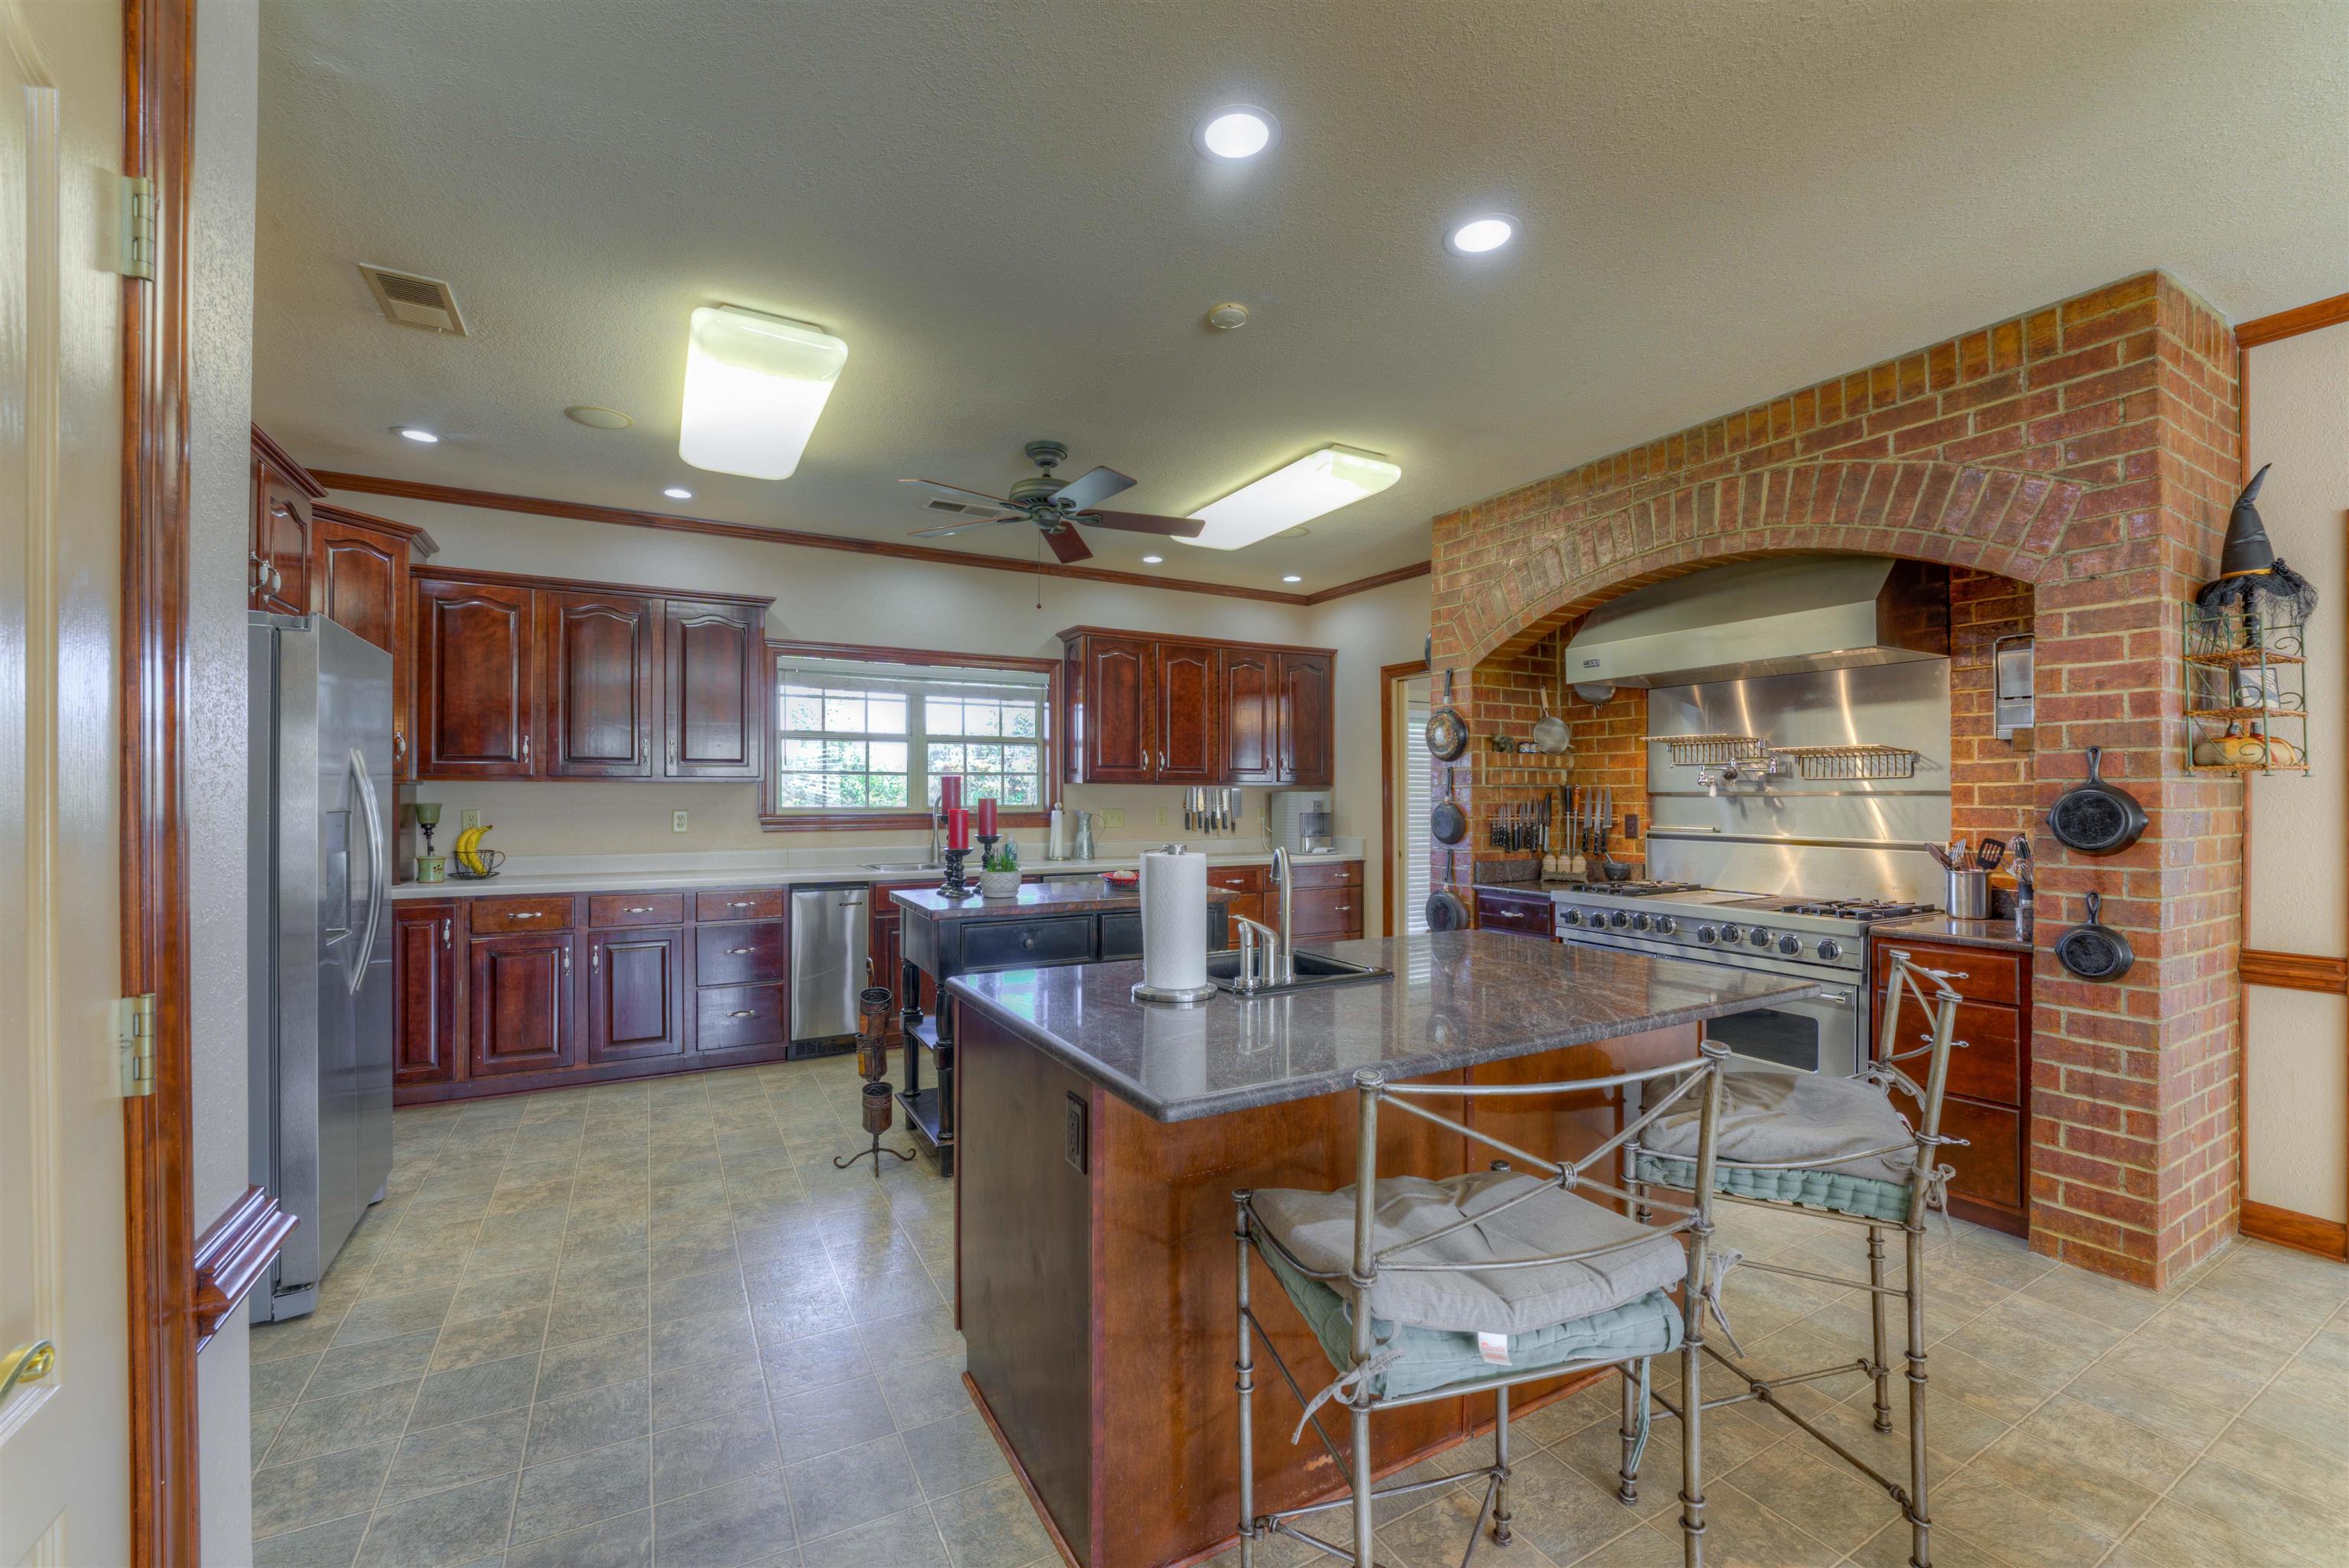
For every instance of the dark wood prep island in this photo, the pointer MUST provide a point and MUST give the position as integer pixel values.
(1093, 1207)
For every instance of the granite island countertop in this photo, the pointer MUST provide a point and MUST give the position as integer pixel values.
(1043, 898)
(1457, 998)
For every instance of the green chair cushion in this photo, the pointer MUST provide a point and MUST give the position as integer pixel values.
(1865, 1196)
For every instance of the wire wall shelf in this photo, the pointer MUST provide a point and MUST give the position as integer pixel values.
(2246, 697)
(1710, 750)
(1826, 763)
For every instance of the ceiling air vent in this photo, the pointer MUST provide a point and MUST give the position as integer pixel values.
(956, 509)
(408, 300)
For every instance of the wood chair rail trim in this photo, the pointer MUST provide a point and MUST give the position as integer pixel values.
(233, 1255)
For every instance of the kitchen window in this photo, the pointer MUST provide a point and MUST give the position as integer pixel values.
(863, 735)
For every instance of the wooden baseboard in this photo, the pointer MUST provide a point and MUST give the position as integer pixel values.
(232, 1256)
(2289, 1228)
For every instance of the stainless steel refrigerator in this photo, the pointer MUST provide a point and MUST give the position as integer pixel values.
(318, 872)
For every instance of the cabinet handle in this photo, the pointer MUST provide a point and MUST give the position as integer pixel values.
(672, 752)
(736, 951)
(742, 1012)
(638, 909)
(1028, 942)
(444, 935)
(525, 750)
(567, 960)
(595, 957)
(739, 903)
(526, 915)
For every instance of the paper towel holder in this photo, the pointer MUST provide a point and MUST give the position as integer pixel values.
(1174, 996)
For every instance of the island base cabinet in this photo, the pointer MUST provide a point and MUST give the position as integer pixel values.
(1080, 1223)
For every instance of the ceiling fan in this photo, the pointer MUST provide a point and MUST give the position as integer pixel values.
(1055, 505)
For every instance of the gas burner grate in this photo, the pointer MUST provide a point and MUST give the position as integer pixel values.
(1855, 909)
(1635, 889)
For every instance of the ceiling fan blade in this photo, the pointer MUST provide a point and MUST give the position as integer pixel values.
(1066, 545)
(1142, 522)
(963, 527)
(958, 490)
(1084, 491)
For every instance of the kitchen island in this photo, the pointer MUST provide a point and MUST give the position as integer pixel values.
(1095, 1251)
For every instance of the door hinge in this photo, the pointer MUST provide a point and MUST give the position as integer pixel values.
(135, 226)
(134, 1035)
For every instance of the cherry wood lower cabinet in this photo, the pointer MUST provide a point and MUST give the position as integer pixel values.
(499, 993)
(1526, 913)
(1989, 1089)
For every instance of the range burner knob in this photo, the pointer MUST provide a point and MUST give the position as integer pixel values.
(1790, 945)
(1638, 922)
(1666, 925)
(1758, 937)
(1831, 949)
(1569, 917)
(1708, 935)
(1621, 920)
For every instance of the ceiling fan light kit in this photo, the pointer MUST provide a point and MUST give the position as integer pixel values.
(1057, 506)
(755, 386)
(1314, 484)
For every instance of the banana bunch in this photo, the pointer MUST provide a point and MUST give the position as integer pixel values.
(467, 852)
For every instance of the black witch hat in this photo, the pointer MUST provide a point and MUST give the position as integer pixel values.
(2251, 578)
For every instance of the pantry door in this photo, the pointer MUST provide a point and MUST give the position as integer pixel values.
(65, 1443)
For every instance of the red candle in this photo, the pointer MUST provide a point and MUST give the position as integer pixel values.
(957, 829)
(950, 792)
(987, 816)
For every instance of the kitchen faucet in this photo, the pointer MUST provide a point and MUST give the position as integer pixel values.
(1278, 955)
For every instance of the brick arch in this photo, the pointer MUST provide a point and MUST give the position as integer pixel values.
(2010, 522)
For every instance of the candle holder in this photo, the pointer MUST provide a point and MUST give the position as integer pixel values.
(872, 1062)
(953, 885)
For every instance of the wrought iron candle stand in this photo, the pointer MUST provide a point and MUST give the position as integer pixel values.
(872, 1063)
(953, 885)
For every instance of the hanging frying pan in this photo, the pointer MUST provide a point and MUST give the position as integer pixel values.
(2096, 818)
(1445, 910)
(1450, 823)
(2094, 951)
(1447, 732)
(1550, 732)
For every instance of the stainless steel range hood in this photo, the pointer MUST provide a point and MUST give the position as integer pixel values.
(1779, 616)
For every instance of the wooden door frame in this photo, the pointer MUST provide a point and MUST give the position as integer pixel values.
(158, 142)
(1387, 676)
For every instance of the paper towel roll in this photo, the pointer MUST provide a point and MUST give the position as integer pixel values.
(1173, 921)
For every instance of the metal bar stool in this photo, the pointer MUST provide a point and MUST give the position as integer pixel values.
(1835, 1150)
(1418, 1290)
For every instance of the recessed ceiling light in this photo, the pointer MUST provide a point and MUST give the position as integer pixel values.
(1478, 235)
(1292, 577)
(754, 387)
(414, 434)
(596, 418)
(1236, 132)
(1153, 561)
(1315, 483)
(678, 492)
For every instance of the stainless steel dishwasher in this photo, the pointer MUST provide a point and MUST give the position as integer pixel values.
(832, 930)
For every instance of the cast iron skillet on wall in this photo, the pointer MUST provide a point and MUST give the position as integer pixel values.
(1447, 732)
(2096, 818)
(1448, 823)
(1445, 910)
(2094, 951)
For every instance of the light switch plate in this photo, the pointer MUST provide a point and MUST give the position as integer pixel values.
(677, 822)
(1161, 819)
(470, 817)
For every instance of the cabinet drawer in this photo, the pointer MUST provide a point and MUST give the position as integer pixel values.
(743, 955)
(1977, 973)
(1989, 1165)
(1989, 1067)
(1121, 934)
(1018, 944)
(1327, 910)
(1531, 916)
(492, 915)
(738, 1016)
(1236, 878)
(1327, 874)
(608, 909)
(743, 903)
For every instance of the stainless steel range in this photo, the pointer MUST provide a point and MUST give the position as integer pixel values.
(1818, 939)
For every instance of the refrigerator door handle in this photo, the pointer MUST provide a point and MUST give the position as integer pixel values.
(377, 865)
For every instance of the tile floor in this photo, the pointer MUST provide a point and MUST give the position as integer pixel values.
(636, 1323)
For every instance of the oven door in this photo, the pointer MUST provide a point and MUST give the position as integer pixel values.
(1816, 1034)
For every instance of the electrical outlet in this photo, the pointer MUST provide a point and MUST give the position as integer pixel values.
(1162, 817)
(1113, 818)
(677, 822)
(470, 817)
(1073, 1142)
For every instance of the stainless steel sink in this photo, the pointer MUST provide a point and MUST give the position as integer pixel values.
(898, 866)
(1314, 970)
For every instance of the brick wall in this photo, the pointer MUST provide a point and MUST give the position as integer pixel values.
(2087, 448)
(1991, 794)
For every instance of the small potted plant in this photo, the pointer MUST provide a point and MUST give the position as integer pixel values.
(998, 873)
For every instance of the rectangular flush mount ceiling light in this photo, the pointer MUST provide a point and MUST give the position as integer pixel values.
(1321, 482)
(754, 387)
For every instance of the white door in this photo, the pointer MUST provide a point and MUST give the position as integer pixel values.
(1414, 800)
(64, 1435)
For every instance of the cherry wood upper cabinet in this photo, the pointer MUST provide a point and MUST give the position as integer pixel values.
(1188, 679)
(1113, 722)
(1251, 715)
(424, 968)
(600, 652)
(359, 568)
(278, 570)
(477, 679)
(1306, 718)
(716, 706)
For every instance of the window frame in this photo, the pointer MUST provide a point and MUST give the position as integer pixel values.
(775, 819)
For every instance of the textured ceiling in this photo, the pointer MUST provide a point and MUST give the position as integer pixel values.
(999, 208)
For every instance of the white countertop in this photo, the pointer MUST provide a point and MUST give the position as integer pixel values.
(634, 873)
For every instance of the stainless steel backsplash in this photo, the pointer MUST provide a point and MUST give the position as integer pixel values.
(1859, 839)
